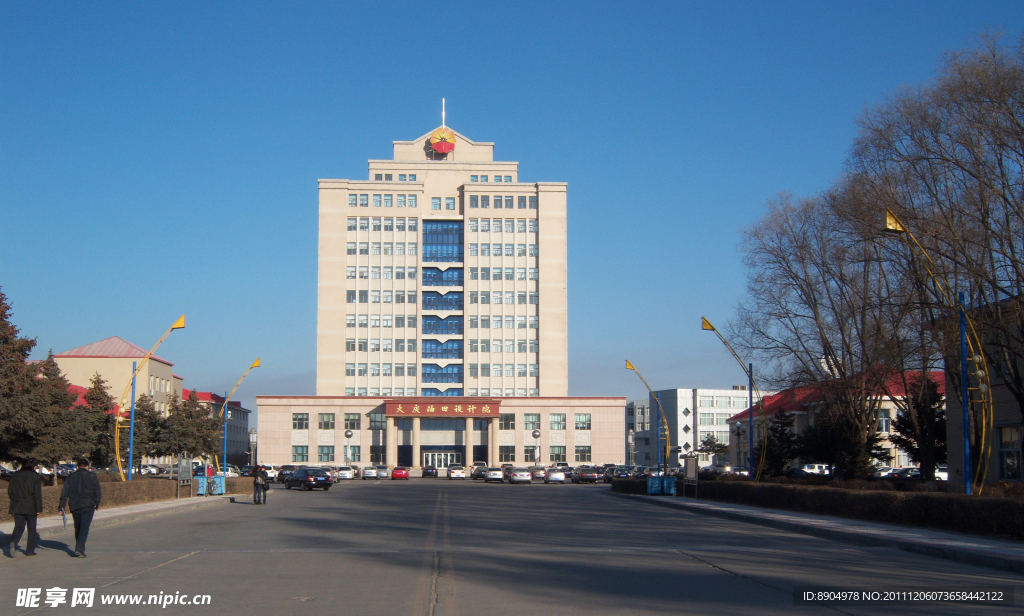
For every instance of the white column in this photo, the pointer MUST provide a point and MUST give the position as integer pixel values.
(391, 439)
(416, 462)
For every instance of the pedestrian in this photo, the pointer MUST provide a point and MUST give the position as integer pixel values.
(25, 492)
(209, 481)
(81, 494)
(259, 486)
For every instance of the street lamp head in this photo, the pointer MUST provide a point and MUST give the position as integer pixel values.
(180, 323)
(892, 223)
(536, 434)
(348, 434)
(706, 325)
(629, 366)
(255, 364)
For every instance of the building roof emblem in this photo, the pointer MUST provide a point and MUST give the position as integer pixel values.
(442, 140)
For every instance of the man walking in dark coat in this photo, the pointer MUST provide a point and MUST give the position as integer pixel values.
(81, 494)
(26, 494)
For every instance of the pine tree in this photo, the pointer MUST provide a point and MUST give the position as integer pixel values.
(148, 426)
(102, 419)
(923, 435)
(17, 421)
(782, 445)
(62, 433)
(190, 428)
(711, 446)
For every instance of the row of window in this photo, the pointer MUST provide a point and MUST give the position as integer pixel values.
(377, 320)
(712, 419)
(376, 272)
(511, 297)
(506, 421)
(483, 178)
(378, 297)
(382, 200)
(380, 370)
(511, 273)
(556, 453)
(495, 322)
(722, 436)
(511, 370)
(511, 250)
(496, 392)
(378, 224)
(510, 346)
(449, 203)
(402, 177)
(531, 421)
(510, 225)
(483, 202)
(386, 392)
(398, 249)
(723, 402)
(374, 345)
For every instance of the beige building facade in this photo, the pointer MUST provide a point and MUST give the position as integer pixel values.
(442, 275)
(439, 431)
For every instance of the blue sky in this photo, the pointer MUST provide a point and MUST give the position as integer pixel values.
(159, 159)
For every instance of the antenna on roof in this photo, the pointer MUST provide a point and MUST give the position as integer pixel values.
(442, 112)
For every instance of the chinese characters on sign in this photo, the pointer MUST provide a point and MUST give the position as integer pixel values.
(447, 408)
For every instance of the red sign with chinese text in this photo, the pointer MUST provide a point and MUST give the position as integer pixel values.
(452, 407)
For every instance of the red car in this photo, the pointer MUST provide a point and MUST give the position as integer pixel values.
(400, 472)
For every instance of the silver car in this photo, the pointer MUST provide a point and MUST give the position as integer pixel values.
(346, 472)
(494, 474)
(520, 475)
(382, 471)
(370, 472)
(555, 475)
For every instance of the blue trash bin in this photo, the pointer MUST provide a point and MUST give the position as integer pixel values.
(216, 486)
(653, 486)
(668, 486)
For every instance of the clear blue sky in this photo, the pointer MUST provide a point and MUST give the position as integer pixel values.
(162, 158)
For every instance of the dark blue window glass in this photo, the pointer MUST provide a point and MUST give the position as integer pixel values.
(432, 373)
(433, 391)
(432, 300)
(442, 241)
(434, 349)
(433, 277)
(442, 327)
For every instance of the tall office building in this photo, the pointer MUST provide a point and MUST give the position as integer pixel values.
(442, 274)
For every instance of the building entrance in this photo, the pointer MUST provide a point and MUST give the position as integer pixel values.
(442, 459)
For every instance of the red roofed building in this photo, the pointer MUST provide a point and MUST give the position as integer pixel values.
(804, 402)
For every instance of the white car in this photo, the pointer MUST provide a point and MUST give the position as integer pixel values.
(521, 475)
(370, 472)
(882, 471)
(554, 475)
(941, 473)
(456, 472)
(271, 471)
(346, 472)
(817, 469)
(494, 474)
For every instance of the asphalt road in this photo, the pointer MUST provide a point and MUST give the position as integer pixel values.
(433, 547)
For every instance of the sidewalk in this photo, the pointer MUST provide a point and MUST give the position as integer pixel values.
(976, 550)
(52, 526)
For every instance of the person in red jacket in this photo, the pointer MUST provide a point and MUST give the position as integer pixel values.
(209, 480)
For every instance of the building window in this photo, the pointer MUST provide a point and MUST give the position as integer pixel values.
(376, 201)
(351, 200)
(364, 248)
(534, 322)
(378, 421)
(530, 453)
(300, 421)
(474, 202)
(449, 203)
(325, 421)
(325, 453)
(522, 202)
(557, 421)
(557, 453)
(531, 421)
(1009, 454)
(583, 453)
(474, 178)
(706, 401)
(583, 421)
(351, 249)
(353, 454)
(387, 200)
(533, 203)
(706, 419)
(534, 370)
(435, 203)
(506, 453)
(534, 274)
(883, 420)
(485, 203)
(352, 421)
(300, 453)
(377, 453)
(364, 200)
(507, 421)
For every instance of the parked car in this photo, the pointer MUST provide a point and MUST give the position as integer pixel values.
(63, 470)
(382, 471)
(506, 471)
(585, 474)
(430, 471)
(909, 472)
(882, 471)
(456, 472)
(285, 471)
(400, 472)
(494, 473)
(346, 472)
(370, 472)
(554, 475)
(621, 472)
(562, 464)
(247, 470)
(271, 470)
(941, 473)
(356, 470)
(538, 472)
(568, 470)
(743, 470)
(478, 472)
(817, 469)
(308, 479)
(520, 475)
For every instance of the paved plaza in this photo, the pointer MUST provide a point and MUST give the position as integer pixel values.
(439, 547)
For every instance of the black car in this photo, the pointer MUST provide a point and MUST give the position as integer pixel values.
(309, 478)
(621, 472)
(478, 472)
(430, 471)
(285, 471)
(586, 474)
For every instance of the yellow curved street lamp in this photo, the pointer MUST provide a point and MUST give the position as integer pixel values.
(227, 399)
(179, 324)
(663, 427)
(970, 350)
(754, 391)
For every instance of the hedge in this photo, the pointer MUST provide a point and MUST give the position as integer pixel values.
(980, 515)
(122, 493)
(629, 486)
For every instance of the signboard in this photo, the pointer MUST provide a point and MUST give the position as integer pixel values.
(473, 407)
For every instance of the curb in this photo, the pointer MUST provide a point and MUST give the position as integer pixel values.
(56, 531)
(962, 555)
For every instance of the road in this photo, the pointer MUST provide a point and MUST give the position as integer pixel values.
(433, 547)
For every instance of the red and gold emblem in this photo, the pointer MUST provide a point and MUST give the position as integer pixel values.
(442, 140)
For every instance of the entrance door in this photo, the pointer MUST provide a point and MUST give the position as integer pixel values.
(442, 459)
